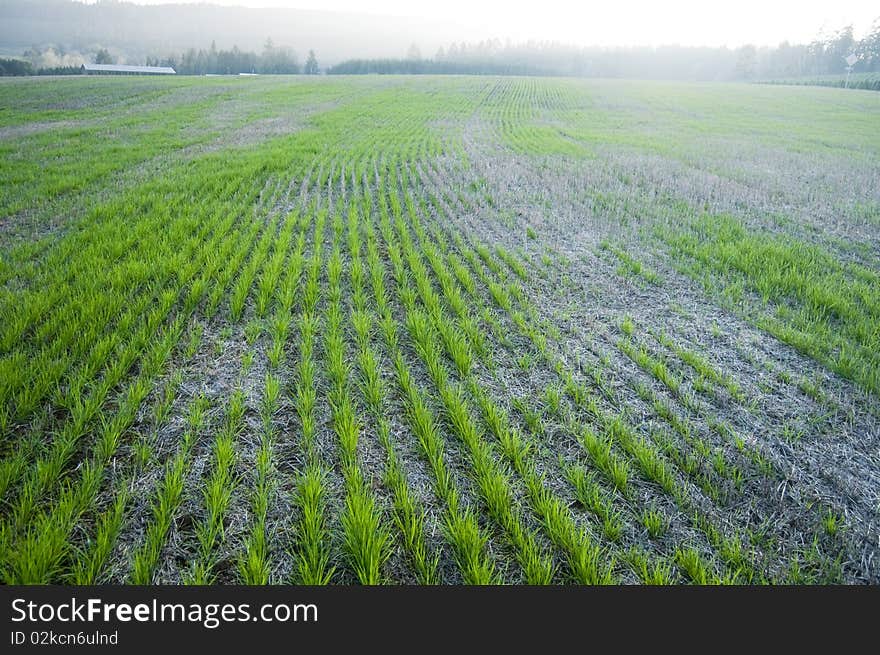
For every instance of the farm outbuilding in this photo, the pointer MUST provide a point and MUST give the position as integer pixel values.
(117, 69)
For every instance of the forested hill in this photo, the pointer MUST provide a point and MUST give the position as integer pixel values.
(134, 32)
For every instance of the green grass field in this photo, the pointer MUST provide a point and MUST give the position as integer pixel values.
(434, 330)
(870, 81)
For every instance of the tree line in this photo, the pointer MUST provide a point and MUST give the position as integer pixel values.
(274, 60)
(823, 56)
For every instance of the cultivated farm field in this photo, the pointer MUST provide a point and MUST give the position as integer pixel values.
(444, 330)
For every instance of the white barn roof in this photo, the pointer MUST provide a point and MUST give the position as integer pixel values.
(117, 68)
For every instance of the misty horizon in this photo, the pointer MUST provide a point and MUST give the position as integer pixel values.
(629, 23)
(58, 36)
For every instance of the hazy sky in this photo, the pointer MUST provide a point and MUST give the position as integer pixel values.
(618, 22)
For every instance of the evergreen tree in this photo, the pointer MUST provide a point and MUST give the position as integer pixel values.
(311, 64)
(104, 57)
